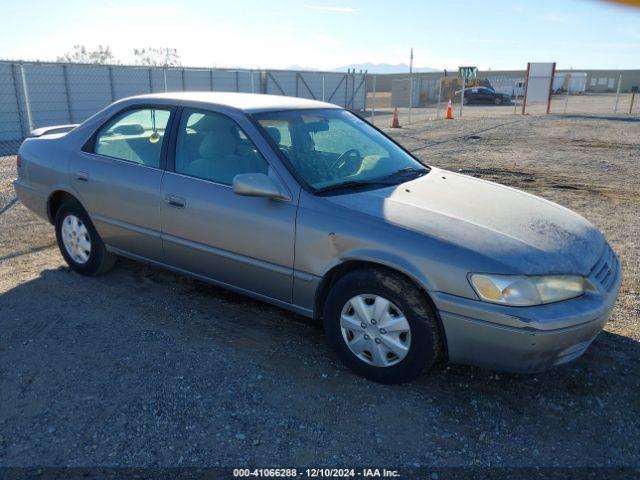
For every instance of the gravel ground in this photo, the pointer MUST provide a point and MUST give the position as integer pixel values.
(146, 368)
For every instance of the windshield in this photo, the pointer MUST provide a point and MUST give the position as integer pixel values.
(332, 148)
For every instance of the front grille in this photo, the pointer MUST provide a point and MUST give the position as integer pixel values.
(606, 269)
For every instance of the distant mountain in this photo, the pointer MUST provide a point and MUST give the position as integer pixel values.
(384, 68)
(301, 68)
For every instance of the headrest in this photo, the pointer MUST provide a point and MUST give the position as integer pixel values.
(128, 129)
(274, 133)
(217, 143)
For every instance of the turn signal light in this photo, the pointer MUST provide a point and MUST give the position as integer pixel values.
(18, 161)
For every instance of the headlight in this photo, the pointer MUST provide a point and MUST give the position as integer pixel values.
(523, 291)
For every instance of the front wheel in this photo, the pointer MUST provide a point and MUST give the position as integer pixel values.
(79, 242)
(382, 326)
(497, 101)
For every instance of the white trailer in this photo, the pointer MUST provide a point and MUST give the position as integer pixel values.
(573, 82)
(512, 88)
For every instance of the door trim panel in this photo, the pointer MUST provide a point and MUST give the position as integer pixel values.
(124, 225)
(218, 252)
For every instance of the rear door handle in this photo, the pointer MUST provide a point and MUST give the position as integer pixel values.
(175, 201)
(82, 176)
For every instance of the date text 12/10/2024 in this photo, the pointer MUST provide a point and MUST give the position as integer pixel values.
(316, 472)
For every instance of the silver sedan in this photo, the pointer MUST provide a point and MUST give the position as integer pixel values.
(306, 206)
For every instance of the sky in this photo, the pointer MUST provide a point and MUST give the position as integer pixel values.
(319, 34)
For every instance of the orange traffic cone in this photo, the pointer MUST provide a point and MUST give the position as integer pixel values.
(449, 111)
(395, 123)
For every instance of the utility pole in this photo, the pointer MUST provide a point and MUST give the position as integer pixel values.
(411, 62)
(410, 83)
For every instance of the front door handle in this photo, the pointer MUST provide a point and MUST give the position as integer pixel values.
(82, 176)
(175, 201)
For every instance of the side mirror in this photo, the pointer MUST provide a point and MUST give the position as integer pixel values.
(257, 185)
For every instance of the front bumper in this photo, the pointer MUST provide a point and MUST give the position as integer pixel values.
(525, 339)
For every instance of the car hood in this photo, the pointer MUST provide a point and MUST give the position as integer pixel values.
(521, 232)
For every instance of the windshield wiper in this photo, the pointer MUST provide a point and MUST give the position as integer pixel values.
(351, 184)
(404, 173)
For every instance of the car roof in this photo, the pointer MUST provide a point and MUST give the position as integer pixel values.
(248, 102)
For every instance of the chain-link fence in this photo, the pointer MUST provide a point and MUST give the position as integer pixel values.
(418, 98)
(34, 95)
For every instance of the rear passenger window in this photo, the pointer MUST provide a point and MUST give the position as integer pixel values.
(135, 136)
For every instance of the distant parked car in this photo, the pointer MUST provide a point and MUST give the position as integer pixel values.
(484, 95)
(305, 205)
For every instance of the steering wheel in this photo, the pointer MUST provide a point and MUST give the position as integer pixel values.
(351, 158)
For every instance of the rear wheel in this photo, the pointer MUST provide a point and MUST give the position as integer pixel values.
(382, 326)
(79, 242)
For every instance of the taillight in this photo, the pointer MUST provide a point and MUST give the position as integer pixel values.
(18, 161)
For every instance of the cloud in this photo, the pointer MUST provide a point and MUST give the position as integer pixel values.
(331, 9)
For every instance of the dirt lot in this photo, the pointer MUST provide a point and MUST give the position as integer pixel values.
(143, 367)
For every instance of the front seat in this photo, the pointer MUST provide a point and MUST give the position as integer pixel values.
(220, 161)
(274, 133)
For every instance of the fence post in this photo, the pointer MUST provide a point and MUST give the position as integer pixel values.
(323, 87)
(353, 88)
(26, 97)
(237, 81)
(253, 87)
(553, 74)
(365, 91)
(439, 98)
(566, 99)
(615, 108)
(14, 78)
(164, 78)
(515, 94)
(462, 96)
(410, 96)
(183, 81)
(150, 81)
(346, 87)
(211, 78)
(526, 87)
(111, 86)
(65, 77)
(373, 100)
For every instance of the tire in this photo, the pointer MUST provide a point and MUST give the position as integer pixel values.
(424, 345)
(497, 101)
(92, 261)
